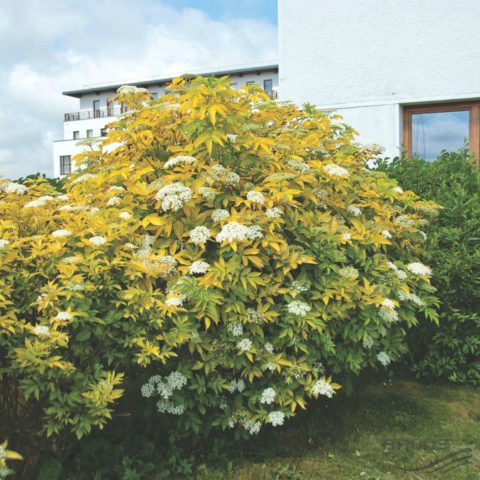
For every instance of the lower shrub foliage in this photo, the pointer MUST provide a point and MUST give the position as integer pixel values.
(453, 250)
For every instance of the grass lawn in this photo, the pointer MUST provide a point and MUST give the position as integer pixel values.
(380, 433)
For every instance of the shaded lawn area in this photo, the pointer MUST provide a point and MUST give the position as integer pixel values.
(381, 432)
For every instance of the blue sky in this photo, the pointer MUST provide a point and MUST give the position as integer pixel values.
(265, 10)
(49, 46)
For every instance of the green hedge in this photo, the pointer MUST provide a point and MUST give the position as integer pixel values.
(453, 249)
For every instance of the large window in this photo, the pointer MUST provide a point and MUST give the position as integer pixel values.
(76, 135)
(65, 164)
(89, 133)
(268, 85)
(429, 129)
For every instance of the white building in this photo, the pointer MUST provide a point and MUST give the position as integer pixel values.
(403, 73)
(95, 110)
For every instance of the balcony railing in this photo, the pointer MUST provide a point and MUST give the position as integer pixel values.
(114, 111)
(90, 114)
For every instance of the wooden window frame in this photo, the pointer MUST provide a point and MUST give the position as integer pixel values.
(473, 107)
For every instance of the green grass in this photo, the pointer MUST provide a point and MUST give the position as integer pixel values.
(379, 433)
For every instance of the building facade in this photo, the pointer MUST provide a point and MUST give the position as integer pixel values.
(404, 74)
(96, 109)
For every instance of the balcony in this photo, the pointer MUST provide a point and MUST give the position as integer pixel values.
(91, 114)
(117, 110)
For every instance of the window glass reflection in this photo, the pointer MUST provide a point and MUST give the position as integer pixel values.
(437, 131)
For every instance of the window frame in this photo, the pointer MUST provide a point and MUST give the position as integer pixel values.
(89, 133)
(76, 134)
(65, 160)
(472, 106)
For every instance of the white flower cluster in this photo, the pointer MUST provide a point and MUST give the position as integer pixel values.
(63, 232)
(388, 303)
(383, 358)
(268, 396)
(220, 173)
(97, 240)
(255, 317)
(165, 386)
(298, 165)
(276, 418)
(349, 272)
(179, 160)
(70, 259)
(175, 301)
(300, 286)
(346, 237)
(368, 342)
(322, 387)
(219, 215)
(207, 192)
(235, 329)
(298, 308)
(41, 330)
(236, 386)
(405, 221)
(398, 190)
(131, 90)
(4, 243)
(253, 428)
(387, 311)
(113, 201)
(173, 196)
(353, 210)
(231, 137)
(234, 231)
(39, 202)
(72, 208)
(335, 170)
(125, 215)
(75, 287)
(418, 268)
(274, 212)
(84, 178)
(244, 345)
(199, 235)
(63, 316)
(168, 263)
(256, 197)
(12, 187)
(116, 188)
(410, 297)
(268, 347)
(386, 234)
(198, 267)
(165, 406)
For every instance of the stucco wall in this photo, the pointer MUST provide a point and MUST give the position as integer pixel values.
(360, 55)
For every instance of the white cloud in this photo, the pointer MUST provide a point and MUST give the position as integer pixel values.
(49, 46)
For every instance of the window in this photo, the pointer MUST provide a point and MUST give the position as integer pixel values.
(429, 129)
(251, 82)
(76, 135)
(103, 132)
(96, 108)
(110, 107)
(89, 133)
(65, 164)
(268, 85)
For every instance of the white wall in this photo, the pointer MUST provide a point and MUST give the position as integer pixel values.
(364, 58)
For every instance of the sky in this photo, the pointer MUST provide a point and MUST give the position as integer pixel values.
(49, 46)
